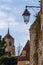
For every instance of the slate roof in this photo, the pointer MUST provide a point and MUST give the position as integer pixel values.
(8, 35)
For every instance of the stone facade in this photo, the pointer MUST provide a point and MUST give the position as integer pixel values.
(40, 43)
(32, 46)
(10, 48)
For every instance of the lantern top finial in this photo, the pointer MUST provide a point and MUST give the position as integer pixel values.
(26, 12)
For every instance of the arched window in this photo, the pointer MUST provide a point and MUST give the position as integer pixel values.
(40, 52)
(10, 44)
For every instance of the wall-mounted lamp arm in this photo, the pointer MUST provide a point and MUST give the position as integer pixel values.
(33, 6)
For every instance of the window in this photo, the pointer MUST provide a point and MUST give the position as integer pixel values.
(10, 44)
(40, 52)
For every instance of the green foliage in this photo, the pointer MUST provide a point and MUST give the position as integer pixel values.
(8, 60)
(36, 40)
(37, 23)
(2, 47)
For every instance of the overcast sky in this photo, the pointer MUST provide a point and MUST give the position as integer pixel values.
(11, 16)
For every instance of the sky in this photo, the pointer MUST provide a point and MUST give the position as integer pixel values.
(11, 16)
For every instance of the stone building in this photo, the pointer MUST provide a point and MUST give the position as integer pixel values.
(10, 47)
(33, 34)
(24, 57)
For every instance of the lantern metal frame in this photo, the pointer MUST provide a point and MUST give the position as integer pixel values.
(28, 13)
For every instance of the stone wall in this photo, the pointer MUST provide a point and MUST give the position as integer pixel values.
(32, 45)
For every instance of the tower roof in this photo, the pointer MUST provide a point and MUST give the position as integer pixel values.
(8, 35)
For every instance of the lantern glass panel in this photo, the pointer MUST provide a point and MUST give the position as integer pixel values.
(26, 19)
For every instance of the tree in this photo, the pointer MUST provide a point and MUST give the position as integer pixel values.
(4, 60)
(2, 46)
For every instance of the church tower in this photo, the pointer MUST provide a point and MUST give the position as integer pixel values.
(10, 47)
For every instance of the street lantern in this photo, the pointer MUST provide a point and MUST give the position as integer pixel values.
(26, 16)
